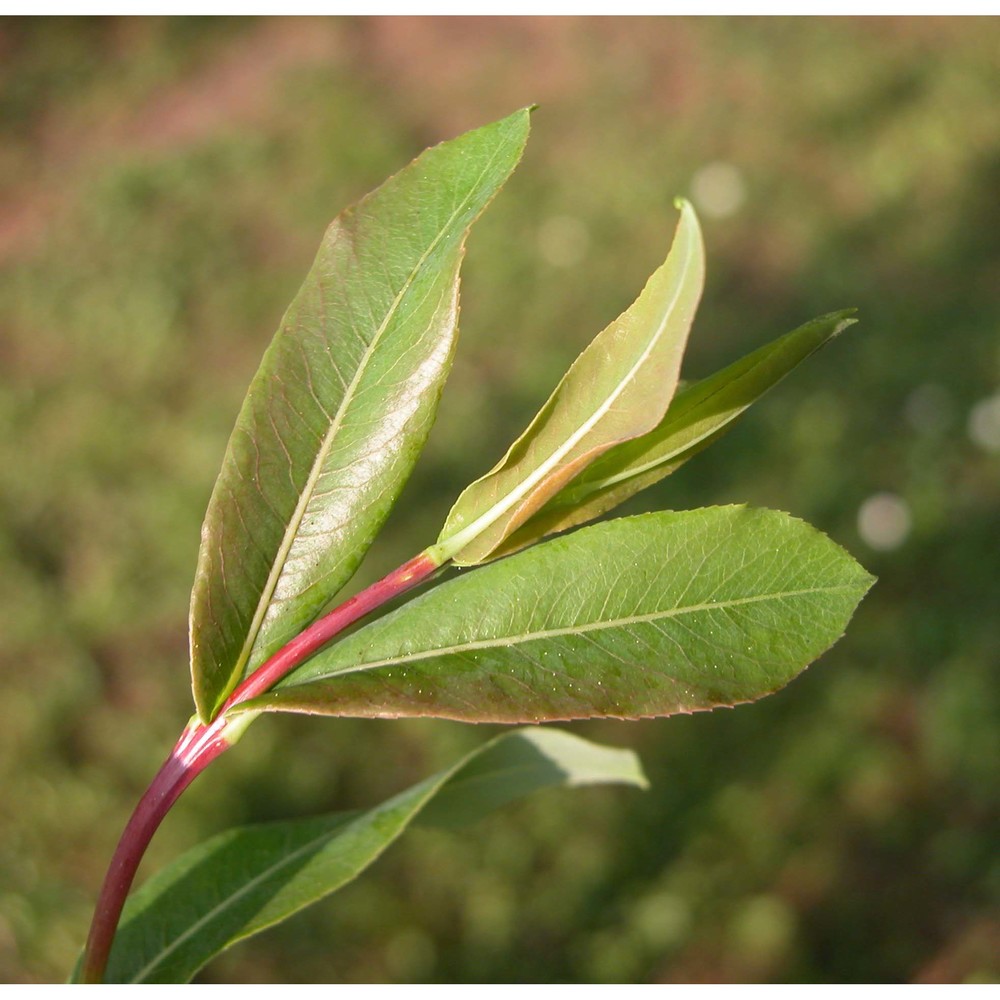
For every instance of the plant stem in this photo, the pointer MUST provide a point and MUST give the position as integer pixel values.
(318, 634)
(201, 743)
(174, 776)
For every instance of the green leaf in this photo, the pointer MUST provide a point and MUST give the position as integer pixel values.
(339, 409)
(250, 878)
(642, 616)
(700, 413)
(617, 389)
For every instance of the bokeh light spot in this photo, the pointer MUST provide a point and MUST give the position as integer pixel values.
(984, 423)
(717, 189)
(884, 521)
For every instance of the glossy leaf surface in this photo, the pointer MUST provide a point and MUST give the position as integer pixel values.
(250, 878)
(643, 616)
(700, 413)
(339, 409)
(617, 389)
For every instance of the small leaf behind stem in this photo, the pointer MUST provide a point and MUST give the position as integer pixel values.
(700, 414)
(617, 389)
(247, 879)
(339, 409)
(637, 617)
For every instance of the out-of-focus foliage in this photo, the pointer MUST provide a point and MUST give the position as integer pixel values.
(164, 185)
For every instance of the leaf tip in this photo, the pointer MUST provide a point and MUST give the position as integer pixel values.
(849, 314)
(689, 221)
(842, 319)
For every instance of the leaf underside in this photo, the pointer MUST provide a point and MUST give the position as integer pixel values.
(247, 879)
(617, 389)
(700, 414)
(637, 617)
(339, 409)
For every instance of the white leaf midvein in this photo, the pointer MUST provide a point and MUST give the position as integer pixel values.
(524, 488)
(293, 525)
(563, 631)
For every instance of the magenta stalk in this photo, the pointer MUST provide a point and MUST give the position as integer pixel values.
(200, 744)
(318, 634)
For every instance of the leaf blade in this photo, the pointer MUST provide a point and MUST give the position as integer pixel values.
(699, 415)
(248, 879)
(618, 388)
(339, 409)
(639, 617)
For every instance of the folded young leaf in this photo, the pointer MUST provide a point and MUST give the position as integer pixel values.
(617, 389)
(700, 413)
(339, 409)
(250, 878)
(643, 616)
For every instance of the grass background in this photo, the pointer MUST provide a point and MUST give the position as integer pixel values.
(163, 186)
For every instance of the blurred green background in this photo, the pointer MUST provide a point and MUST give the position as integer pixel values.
(163, 187)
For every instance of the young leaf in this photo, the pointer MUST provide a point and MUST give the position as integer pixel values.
(643, 616)
(700, 413)
(617, 389)
(250, 878)
(339, 409)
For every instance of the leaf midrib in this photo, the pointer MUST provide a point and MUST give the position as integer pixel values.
(501, 507)
(586, 490)
(291, 531)
(633, 471)
(554, 633)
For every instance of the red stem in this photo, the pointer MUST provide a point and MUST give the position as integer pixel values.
(318, 634)
(175, 775)
(200, 744)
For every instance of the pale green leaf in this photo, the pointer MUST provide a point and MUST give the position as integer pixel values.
(700, 413)
(339, 409)
(250, 878)
(617, 389)
(644, 616)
